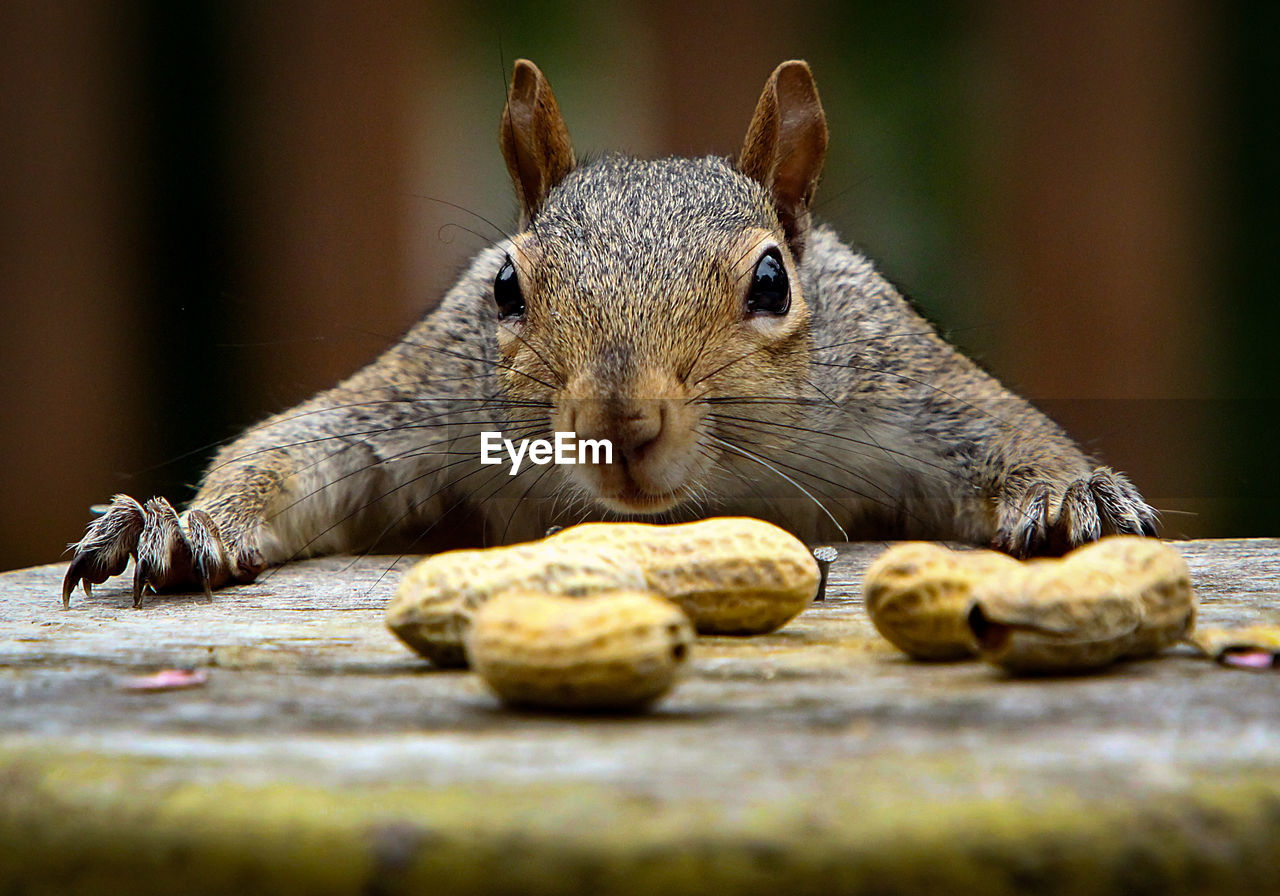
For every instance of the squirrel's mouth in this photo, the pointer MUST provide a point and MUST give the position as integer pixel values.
(630, 498)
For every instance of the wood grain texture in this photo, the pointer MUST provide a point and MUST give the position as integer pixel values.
(816, 756)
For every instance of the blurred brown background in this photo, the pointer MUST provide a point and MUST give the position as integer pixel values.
(211, 210)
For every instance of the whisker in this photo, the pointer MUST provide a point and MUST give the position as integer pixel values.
(413, 508)
(807, 474)
(749, 250)
(454, 225)
(890, 504)
(343, 436)
(843, 438)
(723, 470)
(502, 234)
(831, 462)
(409, 340)
(750, 456)
(729, 364)
(545, 363)
(919, 382)
(502, 539)
(927, 333)
(410, 453)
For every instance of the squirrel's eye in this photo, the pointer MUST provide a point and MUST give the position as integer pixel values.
(770, 292)
(506, 291)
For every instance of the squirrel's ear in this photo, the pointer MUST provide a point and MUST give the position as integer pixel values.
(786, 144)
(535, 141)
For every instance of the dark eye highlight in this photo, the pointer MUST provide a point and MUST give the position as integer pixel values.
(770, 291)
(507, 294)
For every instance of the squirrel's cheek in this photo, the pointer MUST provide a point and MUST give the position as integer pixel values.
(508, 342)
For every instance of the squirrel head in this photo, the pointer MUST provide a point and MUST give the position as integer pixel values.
(640, 295)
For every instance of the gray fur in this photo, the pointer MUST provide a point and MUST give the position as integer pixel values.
(866, 418)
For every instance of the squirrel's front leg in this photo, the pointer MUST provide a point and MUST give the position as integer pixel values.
(1048, 497)
(218, 541)
(289, 487)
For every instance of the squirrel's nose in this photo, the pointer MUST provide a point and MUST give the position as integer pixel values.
(632, 425)
(652, 448)
(636, 428)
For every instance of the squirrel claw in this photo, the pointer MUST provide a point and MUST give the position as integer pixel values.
(170, 552)
(209, 561)
(1079, 520)
(104, 551)
(1102, 503)
(1030, 535)
(163, 557)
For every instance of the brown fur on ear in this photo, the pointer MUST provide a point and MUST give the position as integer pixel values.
(535, 141)
(786, 144)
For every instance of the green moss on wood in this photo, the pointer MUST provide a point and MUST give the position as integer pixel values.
(83, 823)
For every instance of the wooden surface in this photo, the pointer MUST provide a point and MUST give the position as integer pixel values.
(322, 756)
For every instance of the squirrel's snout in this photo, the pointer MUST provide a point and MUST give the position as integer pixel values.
(638, 429)
(632, 426)
(652, 446)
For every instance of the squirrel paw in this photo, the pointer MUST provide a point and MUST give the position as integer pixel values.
(170, 552)
(1045, 518)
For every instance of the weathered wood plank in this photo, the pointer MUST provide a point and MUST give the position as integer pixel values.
(815, 757)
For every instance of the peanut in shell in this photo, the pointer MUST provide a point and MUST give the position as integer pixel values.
(435, 601)
(1122, 596)
(1053, 616)
(615, 651)
(731, 575)
(1160, 581)
(918, 594)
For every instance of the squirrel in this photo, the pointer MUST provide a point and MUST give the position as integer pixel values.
(737, 356)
